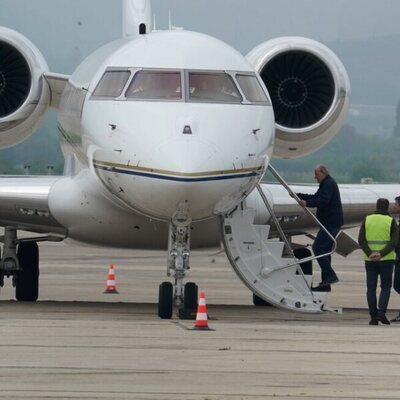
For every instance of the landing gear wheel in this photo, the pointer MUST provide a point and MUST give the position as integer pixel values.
(190, 296)
(259, 302)
(27, 280)
(189, 308)
(165, 300)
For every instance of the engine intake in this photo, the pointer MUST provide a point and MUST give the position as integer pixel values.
(301, 87)
(24, 94)
(15, 79)
(309, 91)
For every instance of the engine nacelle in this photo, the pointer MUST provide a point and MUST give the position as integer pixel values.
(24, 93)
(309, 89)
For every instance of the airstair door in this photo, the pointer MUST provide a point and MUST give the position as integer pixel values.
(260, 263)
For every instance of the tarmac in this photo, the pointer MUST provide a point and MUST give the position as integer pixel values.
(78, 343)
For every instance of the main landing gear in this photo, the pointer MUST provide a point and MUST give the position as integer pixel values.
(178, 294)
(21, 262)
(27, 278)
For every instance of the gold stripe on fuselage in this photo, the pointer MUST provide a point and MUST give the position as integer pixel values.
(174, 173)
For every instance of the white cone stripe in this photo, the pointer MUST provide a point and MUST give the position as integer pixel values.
(202, 302)
(201, 317)
(110, 283)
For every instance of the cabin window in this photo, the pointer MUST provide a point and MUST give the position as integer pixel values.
(213, 87)
(155, 85)
(112, 84)
(252, 89)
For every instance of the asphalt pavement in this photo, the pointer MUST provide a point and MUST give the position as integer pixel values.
(78, 343)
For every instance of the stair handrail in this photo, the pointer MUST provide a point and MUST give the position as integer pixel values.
(280, 230)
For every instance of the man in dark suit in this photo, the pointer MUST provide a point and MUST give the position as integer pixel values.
(396, 279)
(330, 214)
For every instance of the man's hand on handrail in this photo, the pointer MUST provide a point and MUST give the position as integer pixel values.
(294, 196)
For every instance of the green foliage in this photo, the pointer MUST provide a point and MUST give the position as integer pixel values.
(349, 157)
(39, 151)
(396, 129)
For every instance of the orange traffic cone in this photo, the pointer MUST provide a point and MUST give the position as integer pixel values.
(110, 285)
(201, 317)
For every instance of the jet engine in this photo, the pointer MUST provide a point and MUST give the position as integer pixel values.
(309, 90)
(24, 93)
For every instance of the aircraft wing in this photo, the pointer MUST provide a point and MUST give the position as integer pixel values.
(358, 201)
(24, 204)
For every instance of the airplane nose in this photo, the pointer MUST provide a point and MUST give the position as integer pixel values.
(184, 190)
(187, 158)
(185, 179)
(200, 182)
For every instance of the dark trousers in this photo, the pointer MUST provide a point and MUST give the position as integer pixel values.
(323, 244)
(396, 279)
(385, 270)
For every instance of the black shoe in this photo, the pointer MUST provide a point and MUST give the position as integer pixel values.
(321, 288)
(373, 321)
(396, 319)
(329, 281)
(332, 279)
(383, 319)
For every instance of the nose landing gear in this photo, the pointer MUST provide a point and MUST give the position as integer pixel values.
(178, 266)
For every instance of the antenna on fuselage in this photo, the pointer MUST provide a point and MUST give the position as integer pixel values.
(171, 26)
(154, 22)
(136, 18)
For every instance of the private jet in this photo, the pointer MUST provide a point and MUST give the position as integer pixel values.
(166, 137)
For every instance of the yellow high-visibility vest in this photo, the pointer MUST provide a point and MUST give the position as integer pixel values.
(377, 233)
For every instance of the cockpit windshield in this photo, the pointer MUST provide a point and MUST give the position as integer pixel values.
(112, 83)
(251, 88)
(195, 86)
(155, 85)
(213, 87)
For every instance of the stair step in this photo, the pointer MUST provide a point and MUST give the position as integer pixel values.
(260, 263)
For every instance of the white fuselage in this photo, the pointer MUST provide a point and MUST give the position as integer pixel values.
(175, 157)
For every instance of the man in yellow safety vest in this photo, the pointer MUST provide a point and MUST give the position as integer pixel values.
(378, 238)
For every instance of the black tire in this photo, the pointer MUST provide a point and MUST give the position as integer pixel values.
(190, 296)
(165, 300)
(27, 287)
(259, 302)
(303, 252)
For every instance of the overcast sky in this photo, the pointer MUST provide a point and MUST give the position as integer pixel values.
(67, 30)
(246, 22)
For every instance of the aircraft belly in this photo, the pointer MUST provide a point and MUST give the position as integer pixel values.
(92, 215)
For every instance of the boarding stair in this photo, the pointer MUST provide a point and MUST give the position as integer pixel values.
(267, 265)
